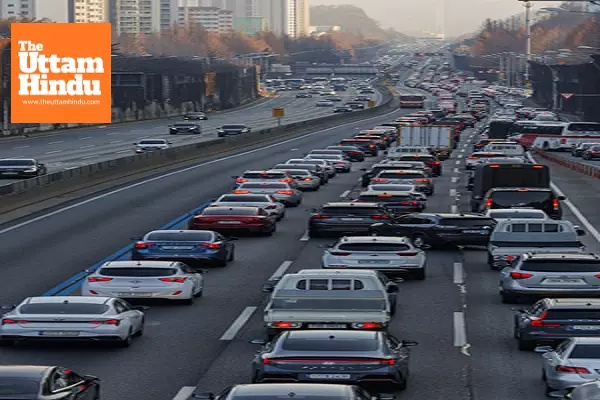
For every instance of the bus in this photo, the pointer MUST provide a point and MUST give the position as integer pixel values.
(412, 101)
(294, 83)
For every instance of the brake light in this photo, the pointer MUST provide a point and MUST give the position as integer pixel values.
(538, 166)
(272, 207)
(572, 370)
(340, 253)
(93, 279)
(285, 324)
(371, 145)
(380, 217)
(114, 322)
(423, 180)
(241, 191)
(320, 216)
(142, 245)
(437, 163)
(520, 275)
(211, 245)
(354, 153)
(411, 254)
(14, 321)
(308, 179)
(289, 192)
(473, 158)
(340, 162)
(379, 180)
(177, 279)
(489, 203)
(286, 180)
(410, 203)
(555, 204)
(241, 180)
(494, 166)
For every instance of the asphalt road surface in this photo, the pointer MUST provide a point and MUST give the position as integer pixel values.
(78, 147)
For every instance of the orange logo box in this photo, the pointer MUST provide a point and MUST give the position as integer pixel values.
(60, 73)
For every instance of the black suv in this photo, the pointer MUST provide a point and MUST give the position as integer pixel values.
(346, 218)
(438, 230)
(537, 198)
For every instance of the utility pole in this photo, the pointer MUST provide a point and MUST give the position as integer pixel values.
(528, 39)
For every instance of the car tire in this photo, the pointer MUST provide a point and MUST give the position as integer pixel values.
(199, 294)
(420, 274)
(221, 263)
(419, 238)
(172, 133)
(127, 341)
(526, 345)
(232, 255)
(141, 331)
(401, 386)
(255, 378)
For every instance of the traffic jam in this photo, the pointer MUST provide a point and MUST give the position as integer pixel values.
(326, 327)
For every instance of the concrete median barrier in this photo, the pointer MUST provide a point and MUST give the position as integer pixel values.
(582, 168)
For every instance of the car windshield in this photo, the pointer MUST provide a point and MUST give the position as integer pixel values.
(13, 386)
(517, 214)
(244, 199)
(264, 175)
(573, 314)
(591, 351)
(392, 188)
(229, 211)
(523, 198)
(417, 158)
(382, 198)
(184, 125)
(310, 344)
(326, 157)
(328, 304)
(180, 236)
(341, 211)
(558, 266)
(310, 167)
(138, 271)
(63, 308)
(16, 162)
(233, 126)
(401, 175)
(151, 142)
(264, 185)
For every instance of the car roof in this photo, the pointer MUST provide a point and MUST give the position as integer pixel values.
(451, 215)
(145, 264)
(515, 210)
(291, 390)
(244, 194)
(374, 239)
(520, 189)
(333, 334)
(352, 204)
(23, 371)
(177, 231)
(68, 299)
(380, 193)
(17, 159)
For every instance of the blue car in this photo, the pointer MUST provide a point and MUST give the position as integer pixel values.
(195, 248)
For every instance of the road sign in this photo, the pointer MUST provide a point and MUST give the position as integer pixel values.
(278, 112)
(567, 95)
(372, 103)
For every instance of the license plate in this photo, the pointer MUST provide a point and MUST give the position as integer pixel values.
(133, 294)
(327, 326)
(586, 327)
(562, 281)
(373, 261)
(329, 376)
(177, 247)
(474, 231)
(229, 222)
(59, 333)
(351, 219)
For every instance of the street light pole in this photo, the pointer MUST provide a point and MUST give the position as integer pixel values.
(528, 39)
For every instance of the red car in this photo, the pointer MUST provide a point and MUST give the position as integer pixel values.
(234, 219)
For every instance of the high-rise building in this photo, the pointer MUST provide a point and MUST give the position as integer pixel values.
(240, 8)
(213, 19)
(90, 11)
(168, 13)
(249, 25)
(136, 16)
(287, 17)
(56, 10)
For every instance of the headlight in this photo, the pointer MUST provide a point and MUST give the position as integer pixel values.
(30, 170)
(506, 258)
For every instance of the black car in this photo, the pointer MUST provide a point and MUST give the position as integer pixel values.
(233, 129)
(21, 168)
(185, 127)
(593, 153)
(34, 382)
(577, 151)
(368, 147)
(429, 160)
(353, 153)
(342, 109)
(538, 198)
(356, 105)
(195, 116)
(397, 203)
(327, 356)
(315, 169)
(345, 218)
(304, 96)
(290, 391)
(438, 230)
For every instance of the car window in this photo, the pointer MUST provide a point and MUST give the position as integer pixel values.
(236, 198)
(558, 266)
(401, 175)
(180, 236)
(230, 211)
(467, 222)
(349, 345)
(264, 175)
(381, 198)
(138, 272)
(70, 308)
(19, 387)
(119, 307)
(374, 247)
(522, 198)
(591, 351)
(573, 314)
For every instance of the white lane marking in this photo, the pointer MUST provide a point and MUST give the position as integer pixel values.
(452, 192)
(459, 157)
(184, 393)
(345, 194)
(305, 237)
(462, 151)
(454, 179)
(180, 171)
(239, 323)
(53, 151)
(114, 133)
(573, 208)
(453, 209)
(281, 270)
(460, 331)
(457, 162)
(456, 170)
(458, 273)
(88, 146)
(85, 138)
(88, 157)
(115, 141)
(123, 151)
(57, 142)
(21, 147)
(71, 167)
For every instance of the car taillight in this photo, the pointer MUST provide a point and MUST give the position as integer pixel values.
(472, 158)
(354, 153)
(14, 321)
(211, 245)
(380, 217)
(540, 321)
(177, 279)
(143, 245)
(308, 179)
(286, 324)
(340, 253)
(572, 370)
(340, 162)
(555, 204)
(286, 180)
(410, 203)
(320, 216)
(520, 275)
(489, 203)
(271, 207)
(423, 180)
(379, 180)
(93, 279)
(371, 145)
(241, 180)
(411, 254)
(241, 191)
(288, 192)
(114, 322)
(367, 325)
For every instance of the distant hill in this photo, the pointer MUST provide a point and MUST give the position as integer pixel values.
(354, 20)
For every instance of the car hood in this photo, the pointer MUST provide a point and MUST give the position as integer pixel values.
(348, 316)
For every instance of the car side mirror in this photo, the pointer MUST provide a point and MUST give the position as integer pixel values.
(561, 198)
(580, 232)
(268, 287)
(409, 343)
(90, 378)
(392, 288)
(9, 307)
(205, 396)
(260, 342)
(543, 349)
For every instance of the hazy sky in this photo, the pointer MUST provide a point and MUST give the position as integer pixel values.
(454, 17)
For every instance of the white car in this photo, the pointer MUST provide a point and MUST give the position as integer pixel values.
(395, 187)
(170, 280)
(390, 255)
(478, 157)
(337, 161)
(517, 213)
(145, 145)
(325, 103)
(78, 318)
(264, 201)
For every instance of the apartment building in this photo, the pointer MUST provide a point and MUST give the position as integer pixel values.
(287, 17)
(89, 11)
(213, 19)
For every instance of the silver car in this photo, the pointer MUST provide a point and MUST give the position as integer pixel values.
(340, 163)
(304, 179)
(412, 189)
(287, 193)
(574, 362)
(420, 179)
(390, 255)
(264, 201)
(145, 145)
(331, 172)
(551, 275)
(262, 176)
(77, 318)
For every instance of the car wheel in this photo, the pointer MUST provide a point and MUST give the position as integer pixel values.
(221, 263)
(140, 332)
(400, 386)
(199, 294)
(172, 133)
(419, 240)
(526, 345)
(255, 377)
(420, 274)
(231, 255)
(127, 341)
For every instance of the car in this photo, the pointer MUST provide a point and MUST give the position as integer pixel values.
(305, 391)
(21, 168)
(233, 130)
(316, 169)
(330, 152)
(523, 197)
(362, 98)
(335, 99)
(324, 103)
(165, 280)
(40, 382)
(586, 391)
(304, 95)
(332, 356)
(367, 91)
(304, 178)
(574, 362)
(478, 157)
(343, 109)
(562, 274)
(345, 218)
(284, 192)
(74, 318)
(412, 189)
(328, 167)
(239, 218)
(553, 320)
(419, 179)
(262, 176)
(356, 105)
(144, 145)
(339, 162)
(579, 149)
(195, 116)
(393, 256)
(365, 145)
(397, 203)
(193, 247)
(438, 229)
(353, 153)
(592, 153)
(430, 160)
(185, 127)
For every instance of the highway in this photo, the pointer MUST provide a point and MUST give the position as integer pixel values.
(82, 146)
(456, 315)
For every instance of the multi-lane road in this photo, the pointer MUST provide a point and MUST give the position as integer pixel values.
(456, 315)
(82, 146)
